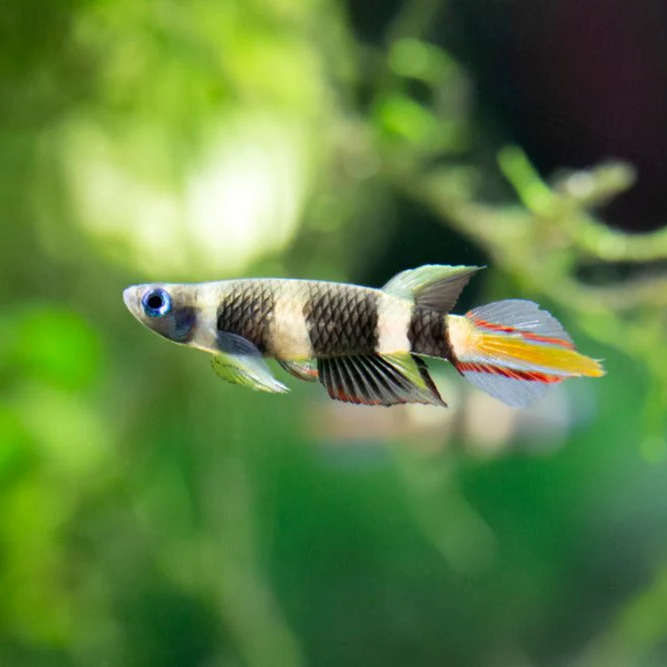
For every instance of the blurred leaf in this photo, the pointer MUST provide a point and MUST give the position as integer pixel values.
(405, 118)
(15, 454)
(415, 58)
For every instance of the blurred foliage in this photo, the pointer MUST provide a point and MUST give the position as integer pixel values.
(153, 515)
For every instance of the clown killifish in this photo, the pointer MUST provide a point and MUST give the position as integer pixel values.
(365, 345)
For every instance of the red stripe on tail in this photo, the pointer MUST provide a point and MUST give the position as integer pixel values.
(528, 376)
(491, 326)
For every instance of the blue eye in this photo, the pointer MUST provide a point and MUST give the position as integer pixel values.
(156, 302)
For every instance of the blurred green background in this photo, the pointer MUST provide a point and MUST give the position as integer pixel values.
(154, 515)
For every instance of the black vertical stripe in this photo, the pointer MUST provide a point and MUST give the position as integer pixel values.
(247, 310)
(341, 319)
(428, 333)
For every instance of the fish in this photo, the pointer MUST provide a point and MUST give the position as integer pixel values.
(365, 345)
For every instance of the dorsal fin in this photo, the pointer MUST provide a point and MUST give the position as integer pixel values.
(435, 286)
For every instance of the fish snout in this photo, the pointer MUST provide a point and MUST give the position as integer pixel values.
(131, 299)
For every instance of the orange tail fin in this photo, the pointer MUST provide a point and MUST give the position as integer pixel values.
(515, 351)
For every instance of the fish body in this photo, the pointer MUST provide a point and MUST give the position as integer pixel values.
(364, 345)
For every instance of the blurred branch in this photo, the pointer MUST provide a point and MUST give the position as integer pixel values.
(539, 245)
(567, 203)
(542, 240)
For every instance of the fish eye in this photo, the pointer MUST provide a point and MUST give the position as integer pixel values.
(156, 302)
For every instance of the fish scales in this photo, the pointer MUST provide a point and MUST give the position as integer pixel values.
(341, 319)
(428, 333)
(246, 308)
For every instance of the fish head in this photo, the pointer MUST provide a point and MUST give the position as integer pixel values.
(167, 309)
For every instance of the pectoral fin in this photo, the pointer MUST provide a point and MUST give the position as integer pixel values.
(240, 362)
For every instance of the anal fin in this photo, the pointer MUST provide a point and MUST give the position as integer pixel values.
(426, 377)
(377, 380)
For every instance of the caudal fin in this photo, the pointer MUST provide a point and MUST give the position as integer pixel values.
(514, 351)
